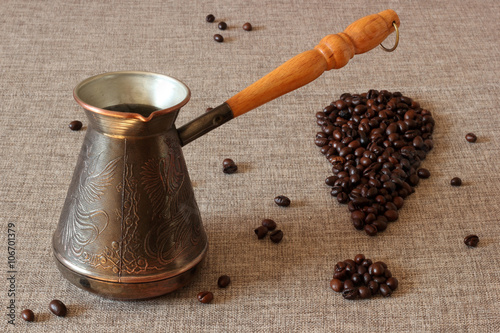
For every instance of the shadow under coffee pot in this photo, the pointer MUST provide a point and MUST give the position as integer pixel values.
(130, 227)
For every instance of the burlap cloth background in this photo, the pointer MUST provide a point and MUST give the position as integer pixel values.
(448, 59)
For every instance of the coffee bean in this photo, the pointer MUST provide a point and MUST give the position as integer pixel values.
(471, 240)
(385, 291)
(367, 263)
(228, 166)
(205, 297)
(222, 25)
(282, 201)
(456, 181)
(261, 232)
(247, 27)
(391, 215)
(392, 283)
(471, 137)
(28, 315)
(364, 292)
(276, 236)
(210, 18)
(223, 281)
(269, 224)
(350, 293)
(218, 38)
(376, 269)
(359, 258)
(75, 125)
(337, 285)
(423, 173)
(330, 181)
(370, 230)
(379, 279)
(58, 308)
(374, 287)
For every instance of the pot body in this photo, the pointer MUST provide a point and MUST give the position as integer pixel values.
(130, 227)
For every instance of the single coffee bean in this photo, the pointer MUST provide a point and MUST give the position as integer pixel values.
(269, 224)
(471, 240)
(330, 181)
(58, 308)
(282, 201)
(75, 125)
(423, 173)
(210, 18)
(228, 166)
(351, 293)
(370, 230)
(222, 25)
(367, 278)
(205, 297)
(374, 287)
(348, 284)
(261, 232)
(398, 201)
(359, 258)
(337, 285)
(364, 292)
(392, 282)
(376, 269)
(28, 315)
(276, 236)
(385, 291)
(471, 137)
(357, 278)
(379, 279)
(247, 27)
(456, 181)
(218, 38)
(391, 215)
(223, 281)
(367, 263)
(387, 273)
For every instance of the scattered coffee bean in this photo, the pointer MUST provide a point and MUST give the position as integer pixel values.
(209, 109)
(423, 173)
(269, 224)
(456, 181)
(363, 276)
(376, 142)
(337, 285)
(28, 315)
(58, 308)
(471, 240)
(210, 18)
(261, 232)
(228, 166)
(222, 25)
(205, 297)
(282, 201)
(471, 137)
(351, 293)
(223, 281)
(75, 125)
(276, 236)
(218, 38)
(247, 27)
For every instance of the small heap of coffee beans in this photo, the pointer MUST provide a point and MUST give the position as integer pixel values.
(375, 141)
(269, 225)
(362, 278)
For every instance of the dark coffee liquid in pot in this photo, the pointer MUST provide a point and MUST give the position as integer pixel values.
(142, 109)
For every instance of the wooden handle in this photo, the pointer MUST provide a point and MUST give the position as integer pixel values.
(333, 51)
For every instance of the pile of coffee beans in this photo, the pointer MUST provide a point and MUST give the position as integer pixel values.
(362, 278)
(376, 142)
(269, 225)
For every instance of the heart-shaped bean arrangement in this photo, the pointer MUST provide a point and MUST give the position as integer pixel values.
(376, 142)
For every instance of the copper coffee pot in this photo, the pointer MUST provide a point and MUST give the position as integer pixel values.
(130, 227)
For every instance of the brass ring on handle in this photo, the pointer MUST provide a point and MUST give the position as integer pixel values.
(397, 40)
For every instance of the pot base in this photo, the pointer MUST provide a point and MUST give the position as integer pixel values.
(128, 291)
